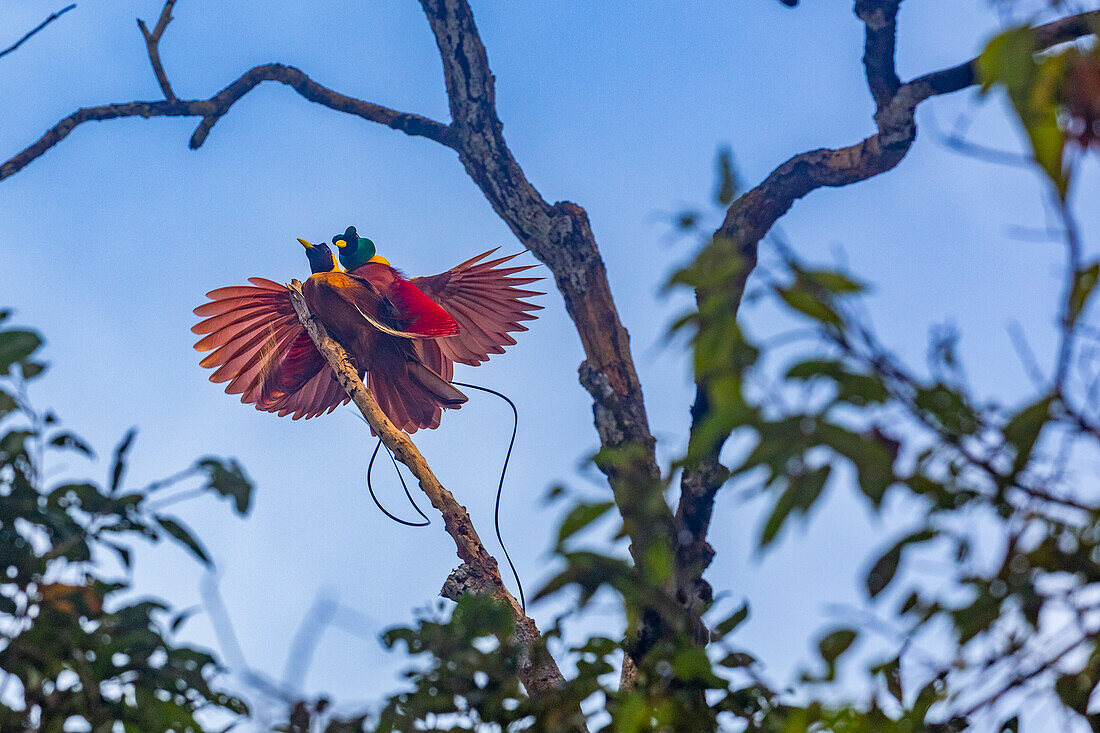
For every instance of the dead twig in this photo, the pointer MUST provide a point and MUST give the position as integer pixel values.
(36, 29)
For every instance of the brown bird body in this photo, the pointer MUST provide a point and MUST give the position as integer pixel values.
(404, 335)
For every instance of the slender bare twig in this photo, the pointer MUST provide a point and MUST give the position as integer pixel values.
(36, 29)
(152, 41)
(1026, 355)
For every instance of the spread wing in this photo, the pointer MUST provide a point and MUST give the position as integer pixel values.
(487, 302)
(258, 346)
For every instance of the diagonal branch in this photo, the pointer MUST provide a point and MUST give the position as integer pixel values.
(152, 41)
(26, 36)
(751, 216)
(478, 573)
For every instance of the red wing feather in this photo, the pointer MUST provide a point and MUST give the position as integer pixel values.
(258, 346)
(425, 317)
(487, 302)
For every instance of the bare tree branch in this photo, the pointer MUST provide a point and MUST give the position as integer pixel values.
(211, 110)
(36, 29)
(151, 45)
(478, 573)
(751, 216)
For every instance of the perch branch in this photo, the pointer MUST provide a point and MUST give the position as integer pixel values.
(478, 572)
(36, 29)
(751, 216)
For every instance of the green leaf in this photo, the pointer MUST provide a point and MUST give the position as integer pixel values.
(31, 369)
(1022, 431)
(7, 404)
(1034, 89)
(118, 465)
(836, 643)
(884, 569)
(1074, 690)
(812, 368)
(181, 618)
(873, 455)
(736, 660)
(737, 618)
(1008, 59)
(810, 305)
(835, 282)
(691, 664)
(228, 479)
(1084, 282)
(580, 517)
(71, 441)
(729, 185)
(802, 491)
(857, 389)
(892, 672)
(949, 407)
(1040, 118)
(183, 535)
(15, 346)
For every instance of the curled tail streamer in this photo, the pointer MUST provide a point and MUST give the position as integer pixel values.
(500, 487)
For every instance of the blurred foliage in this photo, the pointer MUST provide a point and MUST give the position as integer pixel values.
(1056, 96)
(77, 650)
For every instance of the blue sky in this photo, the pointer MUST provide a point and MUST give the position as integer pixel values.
(110, 239)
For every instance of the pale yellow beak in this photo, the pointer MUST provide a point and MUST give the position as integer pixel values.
(307, 245)
(341, 243)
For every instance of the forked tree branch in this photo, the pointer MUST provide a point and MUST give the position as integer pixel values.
(751, 216)
(212, 109)
(478, 573)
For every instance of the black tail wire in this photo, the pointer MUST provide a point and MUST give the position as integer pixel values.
(500, 487)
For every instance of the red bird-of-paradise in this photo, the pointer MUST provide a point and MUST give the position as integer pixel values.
(403, 334)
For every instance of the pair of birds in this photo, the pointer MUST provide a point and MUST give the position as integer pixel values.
(404, 334)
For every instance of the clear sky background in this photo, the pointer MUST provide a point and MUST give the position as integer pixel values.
(109, 240)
